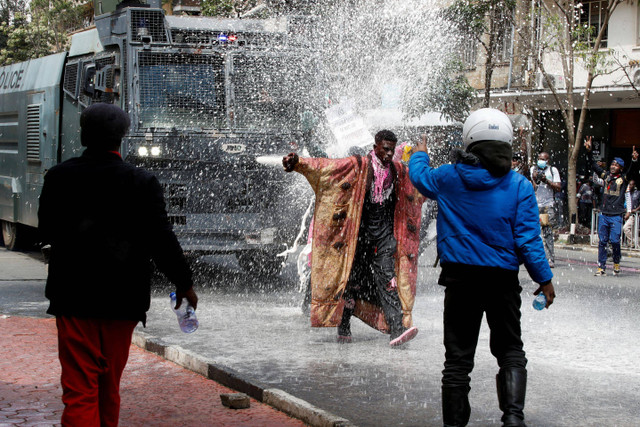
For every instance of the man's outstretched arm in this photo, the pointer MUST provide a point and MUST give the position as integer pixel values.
(634, 166)
(420, 173)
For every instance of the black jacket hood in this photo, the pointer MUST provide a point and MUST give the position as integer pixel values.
(495, 156)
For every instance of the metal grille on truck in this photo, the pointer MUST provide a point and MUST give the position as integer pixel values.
(252, 41)
(196, 187)
(100, 63)
(33, 132)
(148, 23)
(181, 90)
(70, 84)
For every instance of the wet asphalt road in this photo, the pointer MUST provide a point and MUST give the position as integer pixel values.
(583, 353)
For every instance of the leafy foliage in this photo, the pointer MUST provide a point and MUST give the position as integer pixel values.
(41, 32)
(481, 19)
(25, 39)
(227, 8)
(447, 91)
(61, 17)
(8, 10)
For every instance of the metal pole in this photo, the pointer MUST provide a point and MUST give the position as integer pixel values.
(513, 35)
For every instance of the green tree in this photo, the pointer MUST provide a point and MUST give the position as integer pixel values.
(446, 90)
(227, 8)
(43, 31)
(61, 16)
(8, 10)
(25, 39)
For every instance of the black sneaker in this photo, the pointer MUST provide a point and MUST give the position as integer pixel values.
(344, 335)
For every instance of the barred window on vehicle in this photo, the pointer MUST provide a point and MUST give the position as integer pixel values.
(181, 90)
(271, 91)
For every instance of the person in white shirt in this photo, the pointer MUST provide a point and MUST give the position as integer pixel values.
(546, 181)
(632, 202)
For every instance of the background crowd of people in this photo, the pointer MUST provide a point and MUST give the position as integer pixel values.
(552, 196)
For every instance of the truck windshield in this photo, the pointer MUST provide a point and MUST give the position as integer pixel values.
(181, 90)
(270, 91)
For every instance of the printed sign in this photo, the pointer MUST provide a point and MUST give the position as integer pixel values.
(348, 128)
(597, 149)
(11, 77)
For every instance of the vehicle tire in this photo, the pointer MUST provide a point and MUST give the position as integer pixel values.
(260, 263)
(10, 235)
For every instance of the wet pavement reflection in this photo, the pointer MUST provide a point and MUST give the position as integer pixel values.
(583, 353)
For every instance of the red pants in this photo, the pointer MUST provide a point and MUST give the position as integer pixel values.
(93, 354)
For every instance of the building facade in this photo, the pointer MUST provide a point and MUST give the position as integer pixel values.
(520, 89)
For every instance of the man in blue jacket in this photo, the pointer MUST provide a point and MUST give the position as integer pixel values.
(487, 226)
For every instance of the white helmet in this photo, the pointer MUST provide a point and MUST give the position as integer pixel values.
(487, 124)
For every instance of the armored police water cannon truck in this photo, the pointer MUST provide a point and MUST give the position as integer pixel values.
(212, 103)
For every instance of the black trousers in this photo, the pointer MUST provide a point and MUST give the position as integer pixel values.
(584, 213)
(470, 292)
(372, 271)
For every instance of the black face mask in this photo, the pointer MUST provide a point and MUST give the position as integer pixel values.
(495, 156)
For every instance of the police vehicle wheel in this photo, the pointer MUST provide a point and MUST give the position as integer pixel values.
(10, 235)
(260, 263)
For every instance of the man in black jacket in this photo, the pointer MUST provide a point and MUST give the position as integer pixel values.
(105, 221)
(614, 183)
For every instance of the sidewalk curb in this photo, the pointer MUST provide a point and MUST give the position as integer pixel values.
(228, 377)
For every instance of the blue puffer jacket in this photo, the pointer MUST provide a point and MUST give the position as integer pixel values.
(483, 220)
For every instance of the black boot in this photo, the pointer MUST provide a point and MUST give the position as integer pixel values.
(455, 405)
(344, 328)
(512, 386)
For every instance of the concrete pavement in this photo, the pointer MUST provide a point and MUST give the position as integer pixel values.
(580, 373)
(154, 391)
(256, 340)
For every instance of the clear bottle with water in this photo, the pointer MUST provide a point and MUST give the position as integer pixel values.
(540, 301)
(186, 315)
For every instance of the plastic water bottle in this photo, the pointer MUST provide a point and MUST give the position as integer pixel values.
(540, 301)
(186, 315)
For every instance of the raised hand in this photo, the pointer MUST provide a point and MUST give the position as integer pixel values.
(422, 145)
(588, 142)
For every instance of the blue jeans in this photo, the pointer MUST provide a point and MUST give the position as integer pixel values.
(609, 231)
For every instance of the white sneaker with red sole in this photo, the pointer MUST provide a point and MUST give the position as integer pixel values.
(406, 336)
